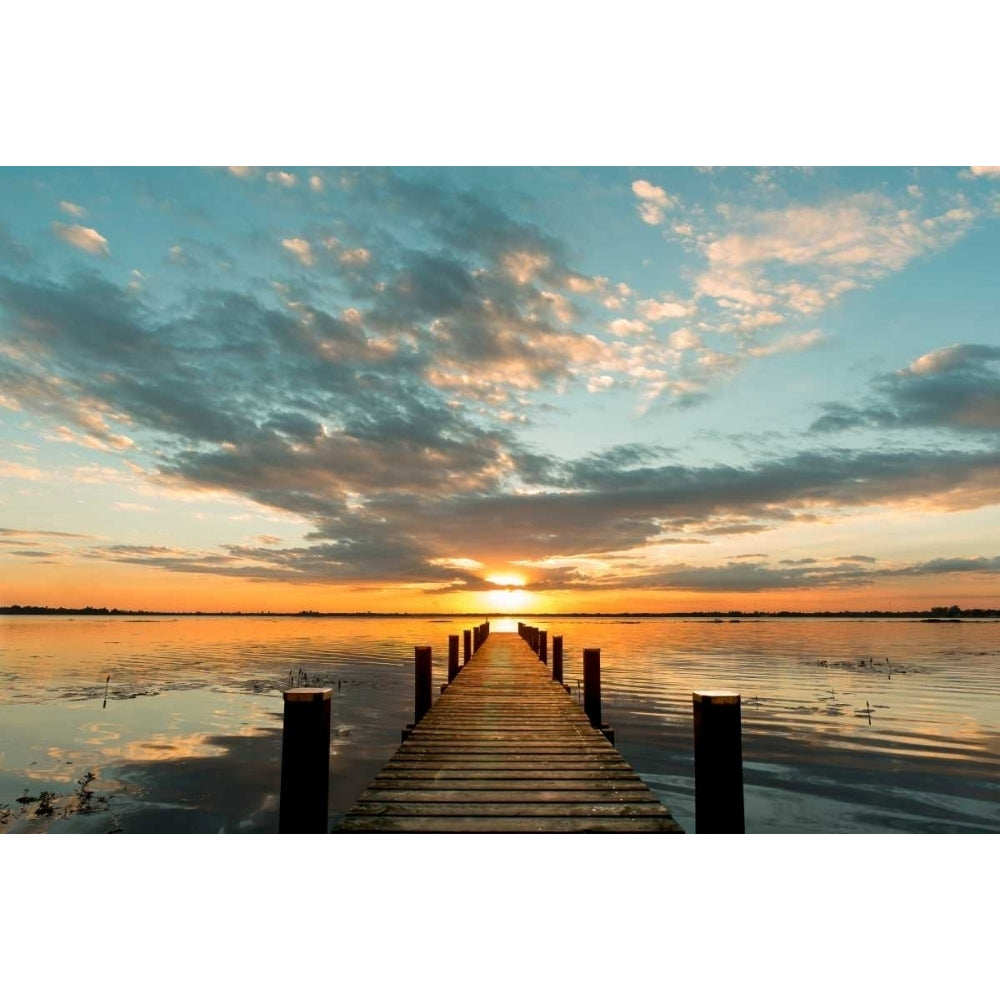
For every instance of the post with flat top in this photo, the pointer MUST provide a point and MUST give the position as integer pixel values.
(592, 686)
(557, 654)
(543, 646)
(718, 763)
(305, 761)
(467, 645)
(421, 682)
(453, 667)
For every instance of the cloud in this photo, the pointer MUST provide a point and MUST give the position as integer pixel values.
(802, 258)
(301, 249)
(16, 470)
(956, 388)
(793, 343)
(985, 171)
(83, 238)
(240, 171)
(626, 327)
(281, 177)
(653, 202)
(655, 311)
(316, 183)
(71, 209)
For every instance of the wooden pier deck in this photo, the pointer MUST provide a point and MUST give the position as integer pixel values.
(506, 750)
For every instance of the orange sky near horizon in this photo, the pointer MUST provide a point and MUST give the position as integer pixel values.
(141, 588)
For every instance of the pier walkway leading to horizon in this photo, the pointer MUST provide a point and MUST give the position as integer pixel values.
(505, 749)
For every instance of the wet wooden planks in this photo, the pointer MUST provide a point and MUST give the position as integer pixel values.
(506, 750)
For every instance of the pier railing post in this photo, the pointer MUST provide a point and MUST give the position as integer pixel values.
(592, 686)
(305, 761)
(421, 682)
(452, 657)
(557, 658)
(467, 644)
(543, 646)
(718, 763)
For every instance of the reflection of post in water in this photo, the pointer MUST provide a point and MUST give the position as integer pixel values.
(106, 683)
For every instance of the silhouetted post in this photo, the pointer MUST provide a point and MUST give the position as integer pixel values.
(421, 682)
(557, 658)
(305, 761)
(543, 646)
(477, 638)
(452, 657)
(718, 763)
(533, 636)
(467, 638)
(592, 686)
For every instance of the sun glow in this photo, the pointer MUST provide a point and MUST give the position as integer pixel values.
(508, 599)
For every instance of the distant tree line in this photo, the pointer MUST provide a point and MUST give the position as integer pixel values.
(939, 611)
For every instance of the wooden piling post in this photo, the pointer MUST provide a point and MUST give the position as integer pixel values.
(453, 667)
(467, 642)
(421, 682)
(557, 658)
(592, 686)
(543, 646)
(718, 762)
(305, 761)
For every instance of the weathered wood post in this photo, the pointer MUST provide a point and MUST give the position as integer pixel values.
(592, 692)
(305, 761)
(453, 667)
(557, 654)
(718, 763)
(467, 638)
(421, 682)
(477, 638)
(543, 646)
(592, 686)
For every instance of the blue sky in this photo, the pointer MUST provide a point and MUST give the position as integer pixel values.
(645, 387)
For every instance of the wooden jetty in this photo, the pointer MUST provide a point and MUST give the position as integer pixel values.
(505, 749)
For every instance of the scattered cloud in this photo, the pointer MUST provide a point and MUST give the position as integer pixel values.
(281, 177)
(78, 211)
(301, 249)
(655, 312)
(83, 238)
(654, 202)
(791, 343)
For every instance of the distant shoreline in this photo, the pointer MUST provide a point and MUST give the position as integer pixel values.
(933, 615)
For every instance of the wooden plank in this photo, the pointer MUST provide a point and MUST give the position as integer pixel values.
(525, 809)
(506, 824)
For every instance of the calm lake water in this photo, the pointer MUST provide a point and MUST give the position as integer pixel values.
(848, 725)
